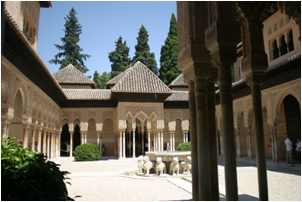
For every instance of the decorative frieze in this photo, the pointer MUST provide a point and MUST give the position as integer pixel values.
(134, 109)
(5, 73)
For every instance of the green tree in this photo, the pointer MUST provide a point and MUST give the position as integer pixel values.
(142, 51)
(70, 49)
(100, 80)
(119, 57)
(168, 55)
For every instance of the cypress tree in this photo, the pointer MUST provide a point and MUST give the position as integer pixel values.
(168, 55)
(100, 80)
(119, 57)
(70, 49)
(142, 51)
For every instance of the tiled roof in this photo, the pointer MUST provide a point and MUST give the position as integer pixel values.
(116, 79)
(179, 81)
(139, 79)
(178, 96)
(87, 94)
(70, 74)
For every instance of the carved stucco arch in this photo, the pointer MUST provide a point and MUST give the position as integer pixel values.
(142, 116)
(25, 98)
(279, 98)
(34, 112)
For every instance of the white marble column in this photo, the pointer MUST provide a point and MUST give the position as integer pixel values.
(5, 129)
(44, 142)
(184, 137)
(133, 145)
(86, 137)
(162, 140)
(82, 138)
(173, 138)
(121, 145)
(71, 143)
(143, 143)
(40, 132)
(238, 141)
(48, 145)
(33, 138)
(25, 136)
(149, 139)
(124, 144)
(249, 142)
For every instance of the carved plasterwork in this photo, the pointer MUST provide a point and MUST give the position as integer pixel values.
(5, 73)
(137, 108)
(107, 114)
(76, 114)
(166, 115)
(65, 114)
(91, 114)
(178, 115)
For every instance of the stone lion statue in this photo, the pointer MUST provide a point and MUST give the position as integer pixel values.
(148, 165)
(140, 161)
(160, 166)
(174, 166)
(186, 165)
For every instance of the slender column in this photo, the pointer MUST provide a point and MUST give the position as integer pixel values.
(202, 139)
(171, 140)
(149, 139)
(174, 148)
(33, 138)
(85, 137)
(58, 145)
(5, 129)
(133, 132)
(249, 142)
(155, 141)
(44, 142)
(184, 137)
(121, 145)
(25, 135)
(238, 142)
(98, 141)
(39, 138)
(124, 144)
(275, 143)
(159, 141)
(260, 148)
(211, 102)
(71, 143)
(194, 154)
(143, 143)
(48, 145)
(162, 140)
(82, 138)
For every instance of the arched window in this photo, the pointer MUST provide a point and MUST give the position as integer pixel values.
(283, 47)
(290, 41)
(276, 50)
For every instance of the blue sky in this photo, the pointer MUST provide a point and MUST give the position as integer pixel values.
(102, 24)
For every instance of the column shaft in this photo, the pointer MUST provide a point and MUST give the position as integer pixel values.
(44, 142)
(202, 140)
(71, 144)
(124, 144)
(121, 145)
(162, 140)
(171, 140)
(260, 148)
(33, 139)
(149, 139)
(194, 154)
(39, 139)
(249, 142)
(25, 137)
(226, 100)
(133, 131)
(211, 101)
(158, 141)
(48, 145)
(5, 129)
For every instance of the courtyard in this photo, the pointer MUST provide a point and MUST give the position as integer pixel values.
(115, 180)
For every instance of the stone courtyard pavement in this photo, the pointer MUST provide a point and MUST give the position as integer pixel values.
(114, 180)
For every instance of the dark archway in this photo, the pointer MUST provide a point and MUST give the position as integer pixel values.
(283, 48)
(76, 137)
(276, 50)
(293, 117)
(65, 137)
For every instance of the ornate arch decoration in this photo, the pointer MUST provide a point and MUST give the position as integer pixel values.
(178, 115)
(25, 98)
(280, 97)
(250, 116)
(77, 121)
(34, 112)
(45, 117)
(65, 121)
(91, 123)
(39, 114)
(166, 121)
(4, 98)
(153, 118)
(142, 116)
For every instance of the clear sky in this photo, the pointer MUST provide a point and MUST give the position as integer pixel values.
(102, 24)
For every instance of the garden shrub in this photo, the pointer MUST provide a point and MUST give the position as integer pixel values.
(27, 176)
(87, 152)
(185, 146)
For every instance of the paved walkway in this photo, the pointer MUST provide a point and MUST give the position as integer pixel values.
(115, 180)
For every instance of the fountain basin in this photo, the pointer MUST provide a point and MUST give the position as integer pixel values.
(168, 156)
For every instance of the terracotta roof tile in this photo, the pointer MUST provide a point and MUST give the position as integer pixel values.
(139, 79)
(70, 74)
(179, 81)
(87, 94)
(178, 96)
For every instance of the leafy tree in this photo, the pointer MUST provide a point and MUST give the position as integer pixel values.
(185, 146)
(70, 49)
(87, 152)
(100, 80)
(26, 175)
(142, 51)
(119, 57)
(168, 55)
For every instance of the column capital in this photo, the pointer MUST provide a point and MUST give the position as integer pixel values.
(255, 79)
(26, 125)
